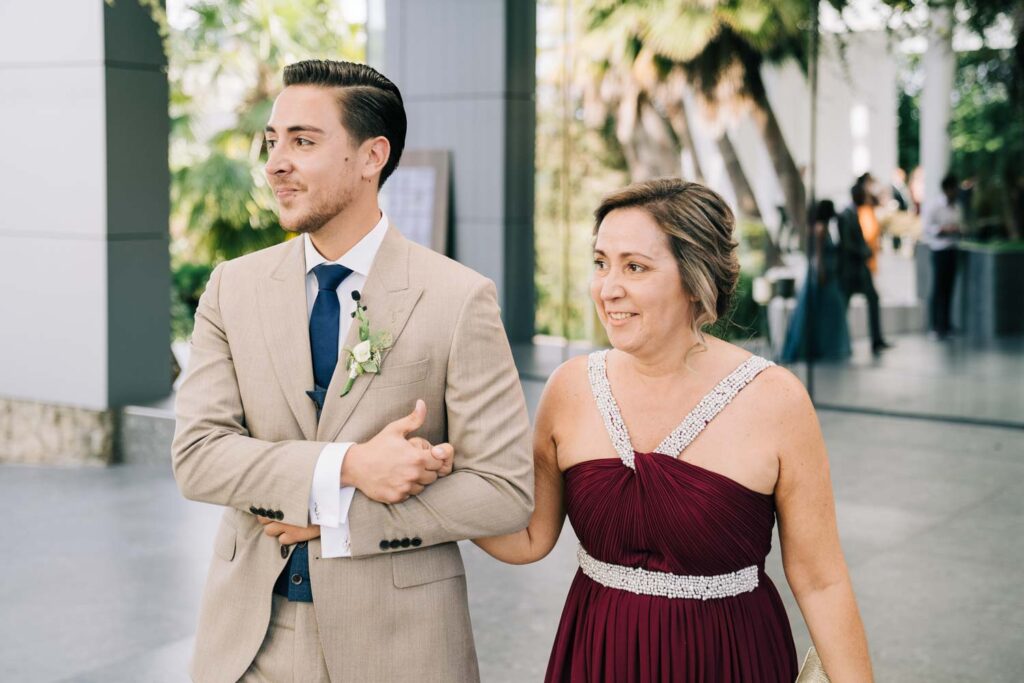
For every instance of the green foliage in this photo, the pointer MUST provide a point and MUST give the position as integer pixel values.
(188, 280)
(908, 112)
(746, 318)
(220, 198)
(986, 130)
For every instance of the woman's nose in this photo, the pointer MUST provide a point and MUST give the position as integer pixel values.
(610, 287)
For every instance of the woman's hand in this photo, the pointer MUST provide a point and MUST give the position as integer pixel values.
(287, 534)
(444, 452)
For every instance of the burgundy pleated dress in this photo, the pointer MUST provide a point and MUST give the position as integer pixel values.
(671, 585)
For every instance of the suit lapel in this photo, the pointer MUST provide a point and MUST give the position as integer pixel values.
(389, 301)
(282, 305)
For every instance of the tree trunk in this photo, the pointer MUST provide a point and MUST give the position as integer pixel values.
(678, 118)
(785, 167)
(746, 203)
(648, 142)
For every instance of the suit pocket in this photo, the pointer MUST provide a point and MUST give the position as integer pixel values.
(224, 544)
(397, 375)
(417, 567)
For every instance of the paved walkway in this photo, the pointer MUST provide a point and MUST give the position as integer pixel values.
(104, 567)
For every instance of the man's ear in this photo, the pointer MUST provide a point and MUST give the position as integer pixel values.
(378, 151)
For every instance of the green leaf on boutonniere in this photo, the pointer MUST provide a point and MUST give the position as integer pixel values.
(368, 354)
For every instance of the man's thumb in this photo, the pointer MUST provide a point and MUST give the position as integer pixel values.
(414, 420)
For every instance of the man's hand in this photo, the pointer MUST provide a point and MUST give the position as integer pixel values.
(444, 452)
(390, 467)
(287, 534)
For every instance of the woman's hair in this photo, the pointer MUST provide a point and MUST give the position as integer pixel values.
(824, 212)
(699, 226)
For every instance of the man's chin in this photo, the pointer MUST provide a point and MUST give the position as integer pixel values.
(300, 226)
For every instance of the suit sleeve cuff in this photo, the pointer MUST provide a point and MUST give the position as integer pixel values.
(325, 503)
(335, 541)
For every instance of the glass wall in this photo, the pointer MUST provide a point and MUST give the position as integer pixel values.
(853, 258)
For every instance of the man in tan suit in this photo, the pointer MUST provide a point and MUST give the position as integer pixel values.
(336, 556)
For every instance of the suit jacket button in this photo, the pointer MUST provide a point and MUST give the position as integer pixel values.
(278, 515)
(406, 542)
(384, 545)
(395, 543)
(284, 551)
(417, 542)
(262, 512)
(253, 509)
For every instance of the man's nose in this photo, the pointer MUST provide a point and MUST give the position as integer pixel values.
(277, 162)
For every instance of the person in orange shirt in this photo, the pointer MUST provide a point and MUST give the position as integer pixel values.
(872, 233)
(868, 220)
(854, 275)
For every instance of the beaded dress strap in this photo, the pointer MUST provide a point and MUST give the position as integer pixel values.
(711, 405)
(609, 409)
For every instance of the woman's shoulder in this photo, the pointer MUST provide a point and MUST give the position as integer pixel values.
(784, 403)
(570, 378)
(776, 388)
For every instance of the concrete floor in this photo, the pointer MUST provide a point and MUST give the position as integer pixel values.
(104, 567)
(953, 378)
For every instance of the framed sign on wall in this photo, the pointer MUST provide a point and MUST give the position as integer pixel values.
(415, 197)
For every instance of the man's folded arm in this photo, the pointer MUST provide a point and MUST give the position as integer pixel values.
(213, 457)
(329, 503)
(490, 491)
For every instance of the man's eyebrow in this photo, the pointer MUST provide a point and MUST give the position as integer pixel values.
(296, 129)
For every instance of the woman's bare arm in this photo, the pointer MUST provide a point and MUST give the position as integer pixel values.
(539, 537)
(811, 553)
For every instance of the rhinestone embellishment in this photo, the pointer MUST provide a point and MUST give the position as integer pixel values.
(609, 408)
(643, 582)
(694, 423)
(711, 405)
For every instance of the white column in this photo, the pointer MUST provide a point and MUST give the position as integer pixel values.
(83, 234)
(939, 67)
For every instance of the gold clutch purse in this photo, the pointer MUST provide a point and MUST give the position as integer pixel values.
(812, 671)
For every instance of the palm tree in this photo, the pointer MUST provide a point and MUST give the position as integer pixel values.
(718, 49)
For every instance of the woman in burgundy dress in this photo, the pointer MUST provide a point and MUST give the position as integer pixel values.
(672, 454)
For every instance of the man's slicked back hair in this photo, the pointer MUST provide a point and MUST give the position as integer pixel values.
(371, 105)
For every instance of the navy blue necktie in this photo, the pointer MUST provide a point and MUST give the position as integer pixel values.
(324, 324)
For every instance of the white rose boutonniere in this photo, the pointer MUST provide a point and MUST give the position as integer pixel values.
(367, 355)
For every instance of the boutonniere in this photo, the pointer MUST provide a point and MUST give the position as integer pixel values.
(368, 354)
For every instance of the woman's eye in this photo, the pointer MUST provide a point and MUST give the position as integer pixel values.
(270, 144)
(598, 264)
(303, 142)
(635, 268)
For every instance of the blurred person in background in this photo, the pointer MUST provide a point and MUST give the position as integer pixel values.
(943, 223)
(854, 274)
(827, 324)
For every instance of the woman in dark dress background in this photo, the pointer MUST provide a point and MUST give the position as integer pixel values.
(820, 298)
(672, 454)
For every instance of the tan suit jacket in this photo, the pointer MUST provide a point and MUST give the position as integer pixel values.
(248, 437)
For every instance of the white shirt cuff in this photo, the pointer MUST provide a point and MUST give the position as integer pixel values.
(329, 502)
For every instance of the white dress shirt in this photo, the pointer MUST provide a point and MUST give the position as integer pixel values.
(329, 502)
(938, 213)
